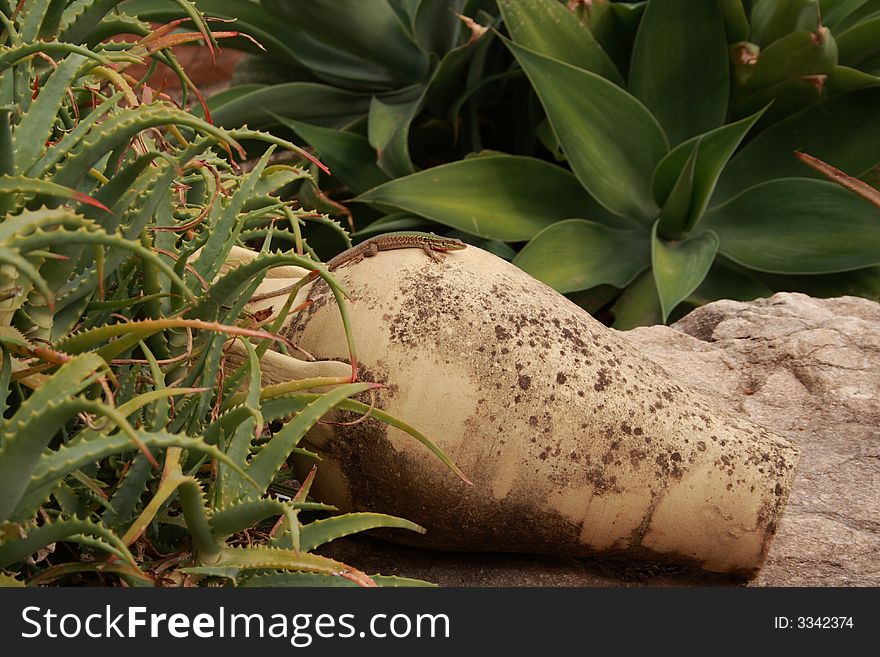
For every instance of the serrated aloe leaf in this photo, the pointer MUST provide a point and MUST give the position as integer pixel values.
(69, 141)
(273, 454)
(611, 140)
(576, 254)
(262, 558)
(349, 155)
(31, 17)
(10, 56)
(774, 19)
(20, 185)
(711, 151)
(288, 580)
(42, 240)
(319, 532)
(232, 284)
(823, 131)
(798, 226)
(120, 128)
(7, 150)
(127, 496)
(56, 465)
(275, 178)
(680, 67)
(547, 27)
(5, 377)
(240, 441)
(680, 266)
(12, 550)
(518, 197)
(26, 269)
(242, 515)
(276, 408)
(250, 18)
(224, 233)
(82, 17)
(35, 127)
(29, 431)
(8, 581)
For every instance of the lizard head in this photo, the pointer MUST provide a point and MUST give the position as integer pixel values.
(439, 243)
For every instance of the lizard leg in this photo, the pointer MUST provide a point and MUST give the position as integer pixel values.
(436, 257)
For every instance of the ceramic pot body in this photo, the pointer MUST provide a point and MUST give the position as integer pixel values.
(577, 443)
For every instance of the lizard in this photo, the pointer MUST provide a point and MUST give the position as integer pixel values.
(430, 243)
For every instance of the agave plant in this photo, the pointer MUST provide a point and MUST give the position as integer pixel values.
(336, 65)
(682, 182)
(119, 210)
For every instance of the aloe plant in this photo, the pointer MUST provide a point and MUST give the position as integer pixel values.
(121, 424)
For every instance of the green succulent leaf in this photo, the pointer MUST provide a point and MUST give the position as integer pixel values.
(726, 281)
(680, 266)
(348, 154)
(774, 19)
(639, 304)
(12, 550)
(36, 125)
(35, 423)
(319, 104)
(674, 220)
(736, 21)
(860, 45)
(518, 197)
(795, 55)
(345, 45)
(288, 580)
(576, 254)
(834, 12)
(388, 133)
(798, 226)
(707, 155)
(272, 456)
(823, 131)
(319, 532)
(547, 27)
(680, 68)
(611, 141)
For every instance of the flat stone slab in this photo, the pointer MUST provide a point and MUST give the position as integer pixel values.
(806, 368)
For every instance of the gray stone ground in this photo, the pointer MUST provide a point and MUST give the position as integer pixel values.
(806, 368)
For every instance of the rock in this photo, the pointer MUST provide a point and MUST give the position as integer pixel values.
(576, 442)
(806, 368)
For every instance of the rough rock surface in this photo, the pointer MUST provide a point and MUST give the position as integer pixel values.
(806, 368)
